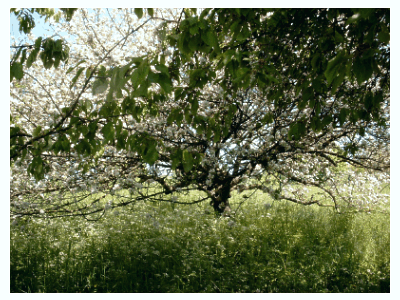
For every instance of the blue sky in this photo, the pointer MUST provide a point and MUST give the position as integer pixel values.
(41, 28)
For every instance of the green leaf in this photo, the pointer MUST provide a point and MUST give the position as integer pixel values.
(315, 124)
(142, 90)
(377, 99)
(337, 81)
(88, 72)
(194, 44)
(150, 154)
(119, 93)
(361, 131)
(139, 12)
(173, 115)
(187, 160)
(162, 69)
(194, 30)
(268, 118)
(308, 93)
(327, 120)
(204, 13)
(137, 60)
(183, 42)
(100, 85)
(368, 101)
(16, 71)
(135, 78)
(196, 77)
(366, 12)
(150, 11)
(26, 23)
(57, 59)
(338, 37)
(153, 77)
(23, 57)
(37, 131)
(334, 65)
(123, 73)
(76, 77)
(108, 131)
(353, 18)
(342, 116)
(18, 53)
(83, 147)
(316, 83)
(66, 145)
(73, 68)
(139, 75)
(46, 59)
(36, 168)
(194, 106)
(121, 140)
(384, 34)
(192, 20)
(31, 58)
(362, 68)
(217, 134)
(315, 60)
(57, 46)
(296, 131)
(179, 117)
(38, 42)
(188, 115)
(165, 82)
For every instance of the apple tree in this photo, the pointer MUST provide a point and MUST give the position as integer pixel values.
(154, 103)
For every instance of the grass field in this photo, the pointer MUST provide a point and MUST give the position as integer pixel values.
(157, 247)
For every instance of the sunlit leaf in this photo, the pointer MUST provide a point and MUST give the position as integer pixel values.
(139, 12)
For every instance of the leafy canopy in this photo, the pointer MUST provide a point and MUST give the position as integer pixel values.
(246, 89)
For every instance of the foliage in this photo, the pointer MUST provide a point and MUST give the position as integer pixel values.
(52, 52)
(269, 246)
(161, 102)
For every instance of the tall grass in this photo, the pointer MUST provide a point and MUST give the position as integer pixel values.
(162, 248)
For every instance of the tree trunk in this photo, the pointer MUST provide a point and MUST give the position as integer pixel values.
(220, 202)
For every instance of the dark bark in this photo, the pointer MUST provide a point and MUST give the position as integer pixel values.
(220, 201)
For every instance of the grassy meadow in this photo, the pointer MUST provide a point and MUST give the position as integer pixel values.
(268, 246)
